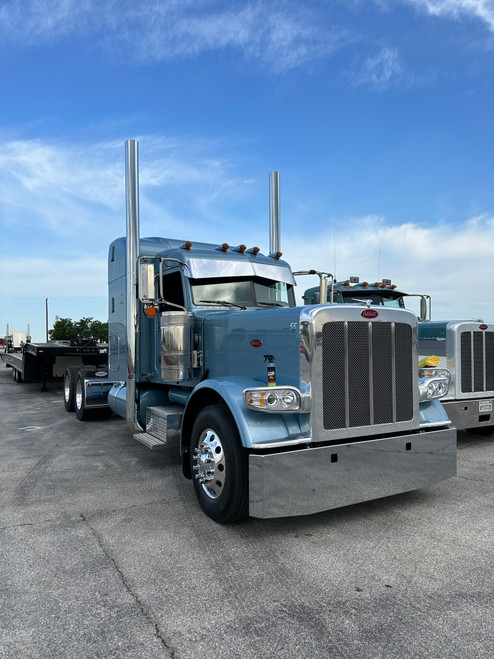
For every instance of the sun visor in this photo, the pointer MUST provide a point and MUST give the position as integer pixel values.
(203, 269)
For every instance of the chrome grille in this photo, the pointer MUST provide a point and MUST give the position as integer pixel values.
(367, 373)
(477, 361)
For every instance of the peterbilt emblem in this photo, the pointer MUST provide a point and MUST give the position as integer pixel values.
(256, 343)
(369, 313)
(484, 327)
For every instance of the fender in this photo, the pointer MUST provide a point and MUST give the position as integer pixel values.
(433, 415)
(256, 429)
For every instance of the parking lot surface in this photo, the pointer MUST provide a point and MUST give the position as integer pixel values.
(104, 552)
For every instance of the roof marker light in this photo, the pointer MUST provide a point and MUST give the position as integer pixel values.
(276, 255)
(254, 250)
(187, 245)
(239, 248)
(223, 247)
(365, 284)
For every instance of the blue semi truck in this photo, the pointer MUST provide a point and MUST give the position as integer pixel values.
(461, 349)
(277, 410)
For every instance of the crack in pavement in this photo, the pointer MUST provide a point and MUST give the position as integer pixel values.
(80, 517)
(134, 596)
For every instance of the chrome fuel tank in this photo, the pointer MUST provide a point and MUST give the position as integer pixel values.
(176, 332)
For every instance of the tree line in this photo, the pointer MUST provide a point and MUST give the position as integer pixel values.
(65, 329)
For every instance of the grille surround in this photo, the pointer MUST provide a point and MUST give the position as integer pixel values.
(363, 373)
(475, 365)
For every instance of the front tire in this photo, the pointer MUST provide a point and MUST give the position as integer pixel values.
(219, 466)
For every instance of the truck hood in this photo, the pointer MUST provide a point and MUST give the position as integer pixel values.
(236, 342)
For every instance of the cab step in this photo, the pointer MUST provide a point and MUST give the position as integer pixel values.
(163, 426)
(151, 442)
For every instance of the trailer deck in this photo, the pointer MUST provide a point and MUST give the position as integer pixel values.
(46, 362)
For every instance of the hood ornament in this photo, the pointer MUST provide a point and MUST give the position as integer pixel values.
(365, 303)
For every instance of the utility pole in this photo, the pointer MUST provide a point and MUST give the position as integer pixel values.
(46, 305)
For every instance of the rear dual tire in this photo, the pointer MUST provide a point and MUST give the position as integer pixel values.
(69, 388)
(75, 394)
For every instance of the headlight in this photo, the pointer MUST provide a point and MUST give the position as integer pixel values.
(273, 399)
(432, 387)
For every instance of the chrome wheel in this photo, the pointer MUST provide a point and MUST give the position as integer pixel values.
(66, 389)
(208, 464)
(78, 395)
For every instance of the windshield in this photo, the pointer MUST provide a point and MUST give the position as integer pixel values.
(356, 297)
(242, 292)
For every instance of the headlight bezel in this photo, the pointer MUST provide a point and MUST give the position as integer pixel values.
(432, 388)
(274, 400)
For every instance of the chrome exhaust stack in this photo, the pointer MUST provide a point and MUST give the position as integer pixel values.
(274, 212)
(132, 204)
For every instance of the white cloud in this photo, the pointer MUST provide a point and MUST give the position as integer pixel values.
(380, 70)
(278, 35)
(481, 9)
(69, 192)
(453, 264)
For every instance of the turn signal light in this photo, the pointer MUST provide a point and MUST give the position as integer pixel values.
(150, 312)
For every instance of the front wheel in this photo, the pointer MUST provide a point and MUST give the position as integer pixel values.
(219, 466)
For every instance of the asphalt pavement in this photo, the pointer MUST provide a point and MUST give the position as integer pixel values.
(104, 552)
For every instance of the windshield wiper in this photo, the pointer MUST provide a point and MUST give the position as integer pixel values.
(272, 304)
(223, 303)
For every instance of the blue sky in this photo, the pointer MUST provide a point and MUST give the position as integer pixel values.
(376, 113)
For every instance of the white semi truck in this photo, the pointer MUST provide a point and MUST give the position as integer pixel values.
(14, 340)
(463, 350)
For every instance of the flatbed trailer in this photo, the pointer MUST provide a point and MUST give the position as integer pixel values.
(47, 362)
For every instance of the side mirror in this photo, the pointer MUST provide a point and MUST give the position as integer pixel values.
(423, 309)
(146, 282)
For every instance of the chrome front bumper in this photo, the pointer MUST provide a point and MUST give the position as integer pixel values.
(470, 413)
(311, 480)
